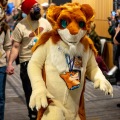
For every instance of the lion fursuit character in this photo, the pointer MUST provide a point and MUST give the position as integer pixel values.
(61, 60)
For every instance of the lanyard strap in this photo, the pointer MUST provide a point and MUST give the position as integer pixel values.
(33, 29)
(70, 61)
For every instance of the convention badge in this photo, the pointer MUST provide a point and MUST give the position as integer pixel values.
(35, 40)
(72, 79)
(32, 43)
(77, 63)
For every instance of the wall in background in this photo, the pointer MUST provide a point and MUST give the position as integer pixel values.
(102, 9)
(58, 2)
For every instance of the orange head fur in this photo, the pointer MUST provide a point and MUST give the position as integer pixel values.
(74, 14)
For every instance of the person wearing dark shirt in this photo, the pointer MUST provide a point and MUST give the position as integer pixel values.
(116, 41)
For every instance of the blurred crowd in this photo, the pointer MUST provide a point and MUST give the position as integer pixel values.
(15, 14)
(114, 25)
(22, 26)
(114, 31)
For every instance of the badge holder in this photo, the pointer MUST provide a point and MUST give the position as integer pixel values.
(72, 78)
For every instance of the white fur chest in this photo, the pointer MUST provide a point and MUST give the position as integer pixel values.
(58, 58)
(57, 55)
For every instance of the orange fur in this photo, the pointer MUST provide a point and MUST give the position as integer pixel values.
(68, 11)
(70, 82)
(45, 37)
(88, 43)
(42, 110)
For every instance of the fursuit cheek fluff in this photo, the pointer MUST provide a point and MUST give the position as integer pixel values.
(71, 40)
(61, 60)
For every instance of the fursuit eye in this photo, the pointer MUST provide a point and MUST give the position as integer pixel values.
(64, 23)
(82, 24)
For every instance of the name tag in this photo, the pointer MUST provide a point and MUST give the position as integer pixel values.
(72, 79)
(32, 43)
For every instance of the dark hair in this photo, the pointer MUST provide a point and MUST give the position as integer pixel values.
(4, 27)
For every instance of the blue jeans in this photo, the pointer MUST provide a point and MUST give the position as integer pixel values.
(2, 91)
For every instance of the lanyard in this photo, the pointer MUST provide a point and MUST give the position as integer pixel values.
(70, 61)
(33, 29)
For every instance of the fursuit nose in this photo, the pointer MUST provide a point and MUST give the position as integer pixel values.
(73, 28)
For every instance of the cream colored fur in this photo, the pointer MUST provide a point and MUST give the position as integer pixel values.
(55, 88)
(70, 23)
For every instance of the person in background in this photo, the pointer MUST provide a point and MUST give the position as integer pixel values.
(117, 57)
(112, 21)
(5, 46)
(117, 46)
(108, 73)
(117, 17)
(19, 16)
(112, 24)
(45, 6)
(96, 40)
(117, 42)
(9, 15)
(24, 36)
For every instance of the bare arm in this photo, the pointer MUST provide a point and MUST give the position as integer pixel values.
(14, 52)
(13, 55)
(7, 54)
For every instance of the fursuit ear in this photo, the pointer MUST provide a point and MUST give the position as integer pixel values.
(53, 13)
(88, 11)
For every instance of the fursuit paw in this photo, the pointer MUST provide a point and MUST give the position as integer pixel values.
(39, 97)
(105, 86)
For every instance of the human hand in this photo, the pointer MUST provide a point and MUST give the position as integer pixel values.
(39, 97)
(10, 70)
